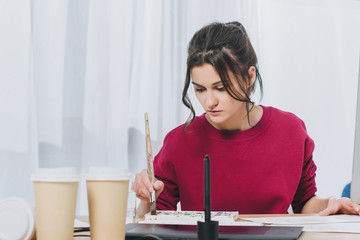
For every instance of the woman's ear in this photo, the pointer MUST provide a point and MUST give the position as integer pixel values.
(252, 76)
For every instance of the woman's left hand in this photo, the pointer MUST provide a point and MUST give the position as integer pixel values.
(340, 205)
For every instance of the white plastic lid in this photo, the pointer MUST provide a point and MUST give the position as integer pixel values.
(107, 173)
(55, 175)
(17, 219)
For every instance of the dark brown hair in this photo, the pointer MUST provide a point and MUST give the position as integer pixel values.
(227, 47)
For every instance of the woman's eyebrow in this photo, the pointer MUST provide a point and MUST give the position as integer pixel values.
(215, 83)
(196, 84)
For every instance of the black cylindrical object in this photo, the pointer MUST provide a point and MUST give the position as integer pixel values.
(208, 230)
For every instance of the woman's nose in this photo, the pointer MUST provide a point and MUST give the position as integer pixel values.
(211, 100)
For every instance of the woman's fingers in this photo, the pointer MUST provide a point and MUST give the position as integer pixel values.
(159, 187)
(347, 206)
(341, 205)
(142, 186)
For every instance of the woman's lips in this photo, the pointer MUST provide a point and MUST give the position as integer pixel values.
(214, 113)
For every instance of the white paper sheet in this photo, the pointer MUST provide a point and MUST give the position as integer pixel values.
(333, 227)
(316, 219)
(316, 223)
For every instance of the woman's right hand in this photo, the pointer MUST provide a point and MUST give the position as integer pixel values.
(142, 186)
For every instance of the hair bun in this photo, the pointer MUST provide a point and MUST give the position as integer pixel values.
(234, 23)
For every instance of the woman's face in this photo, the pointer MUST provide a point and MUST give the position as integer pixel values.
(222, 111)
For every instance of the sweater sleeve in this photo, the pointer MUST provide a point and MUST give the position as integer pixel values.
(165, 172)
(307, 186)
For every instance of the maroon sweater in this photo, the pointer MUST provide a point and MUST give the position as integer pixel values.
(261, 170)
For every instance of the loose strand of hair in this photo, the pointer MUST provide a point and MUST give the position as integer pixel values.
(187, 102)
(259, 80)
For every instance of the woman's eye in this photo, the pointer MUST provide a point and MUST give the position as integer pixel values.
(220, 89)
(199, 89)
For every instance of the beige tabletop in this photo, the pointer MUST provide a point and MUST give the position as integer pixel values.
(304, 235)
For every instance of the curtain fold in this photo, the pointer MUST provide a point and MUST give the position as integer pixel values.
(15, 53)
(48, 35)
(15, 82)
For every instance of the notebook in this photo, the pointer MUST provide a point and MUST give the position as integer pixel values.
(166, 231)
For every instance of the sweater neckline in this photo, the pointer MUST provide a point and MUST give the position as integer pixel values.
(237, 135)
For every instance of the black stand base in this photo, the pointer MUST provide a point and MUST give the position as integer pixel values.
(208, 230)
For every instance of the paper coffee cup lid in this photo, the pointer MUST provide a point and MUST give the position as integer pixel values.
(55, 175)
(107, 173)
(17, 219)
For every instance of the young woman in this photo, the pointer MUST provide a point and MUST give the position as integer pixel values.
(261, 157)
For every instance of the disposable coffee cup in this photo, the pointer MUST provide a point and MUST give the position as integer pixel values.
(55, 202)
(107, 191)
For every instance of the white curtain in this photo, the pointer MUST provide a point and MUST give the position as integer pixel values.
(77, 76)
